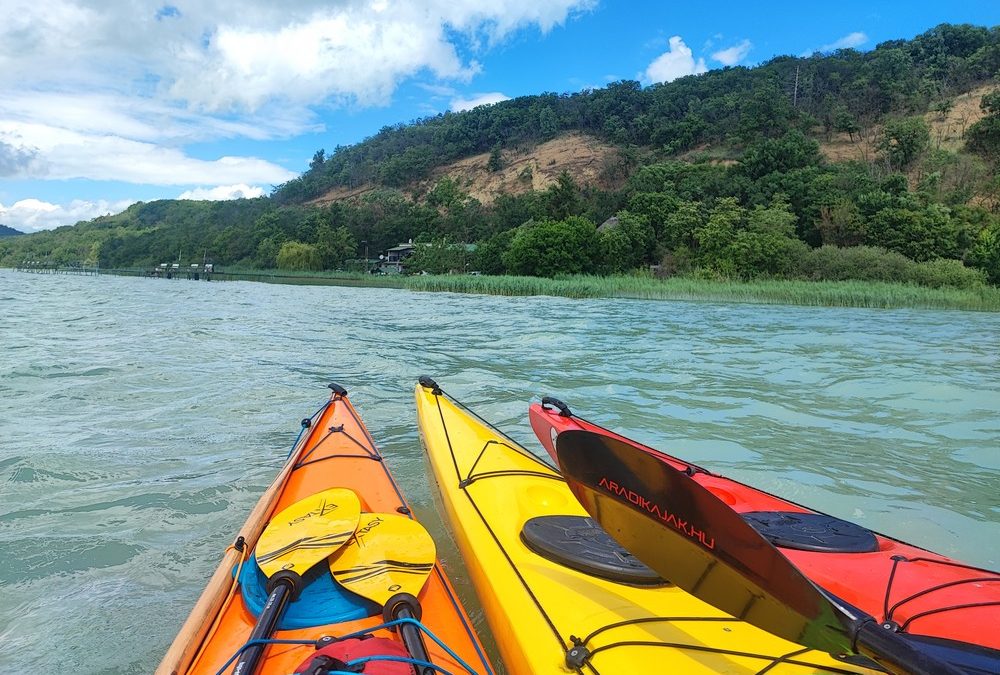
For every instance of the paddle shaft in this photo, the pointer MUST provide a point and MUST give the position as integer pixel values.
(412, 639)
(275, 605)
(897, 655)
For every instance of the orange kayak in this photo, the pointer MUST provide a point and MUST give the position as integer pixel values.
(334, 450)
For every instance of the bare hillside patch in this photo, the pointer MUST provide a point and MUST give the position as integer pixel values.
(521, 170)
(947, 130)
(584, 157)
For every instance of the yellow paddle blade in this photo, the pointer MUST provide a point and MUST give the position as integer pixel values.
(308, 531)
(388, 554)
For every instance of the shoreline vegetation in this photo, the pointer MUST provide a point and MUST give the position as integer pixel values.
(859, 294)
(865, 294)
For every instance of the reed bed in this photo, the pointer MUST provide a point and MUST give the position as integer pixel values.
(878, 295)
(871, 294)
(310, 278)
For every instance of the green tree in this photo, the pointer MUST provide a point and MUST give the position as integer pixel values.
(768, 246)
(495, 162)
(983, 137)
(657, 207)
(903, 141)
(295, 255)
(627, 245)
(552, 247)
(738, 243)
(792, 151)
(776, 218)
(437, 256)
(335, 245)
(93, 253)
(985, 252)
(489, 254)
(918, 233)
(764, 111)
(445, 193)
(680, 226)
(563, 197)
(548, 123)
(715, 236)
(845, 123)
(615, 251)
(266, 256)
(766, 253)
(840, 224)
(317, 161)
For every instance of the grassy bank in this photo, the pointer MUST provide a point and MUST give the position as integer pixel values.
(311, 278)
(822, 293)
(814, 293)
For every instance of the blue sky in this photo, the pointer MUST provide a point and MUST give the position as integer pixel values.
(106, 102)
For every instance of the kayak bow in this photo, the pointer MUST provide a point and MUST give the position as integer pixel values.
(327, 623)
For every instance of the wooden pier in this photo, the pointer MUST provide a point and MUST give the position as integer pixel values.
(41, 267)
(195, 272)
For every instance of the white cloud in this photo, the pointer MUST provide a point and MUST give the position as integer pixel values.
(33, 215)
(226, 55)
(733, 55)
(458, 104)
(849, 41)
(347, 55)
(15, 159)
(138, 118)
(676, 62)
(116, 89)
(71, 154)
(223, 192)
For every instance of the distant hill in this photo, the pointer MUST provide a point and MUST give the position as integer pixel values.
(827, 96)
(8, 231)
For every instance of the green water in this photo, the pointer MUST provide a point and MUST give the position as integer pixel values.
(140, 420)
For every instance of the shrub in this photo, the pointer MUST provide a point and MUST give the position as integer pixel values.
(863, 263)
(942, 272)
(757, 254)
(869, 263)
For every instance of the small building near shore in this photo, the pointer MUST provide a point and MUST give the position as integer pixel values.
(395, 257)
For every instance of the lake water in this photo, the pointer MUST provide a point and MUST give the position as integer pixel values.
(141, 419)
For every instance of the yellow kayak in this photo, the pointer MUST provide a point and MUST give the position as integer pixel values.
(559, 595)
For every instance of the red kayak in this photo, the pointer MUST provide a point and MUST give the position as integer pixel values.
(917, 591)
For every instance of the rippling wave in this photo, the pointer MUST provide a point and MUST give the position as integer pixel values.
(141, 419)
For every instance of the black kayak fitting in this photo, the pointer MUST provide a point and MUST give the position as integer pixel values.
(812, 532)
(580, 544)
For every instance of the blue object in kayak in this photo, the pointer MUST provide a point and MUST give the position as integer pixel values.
(321, 600)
